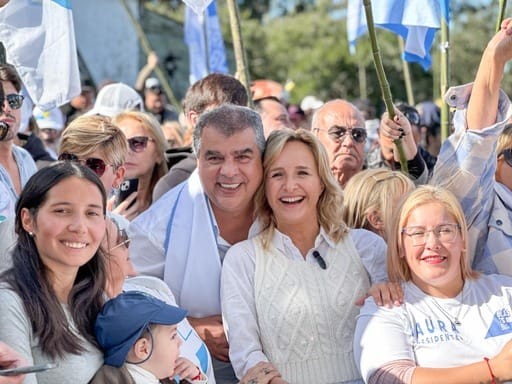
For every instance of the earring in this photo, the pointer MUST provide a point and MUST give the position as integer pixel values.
(31, 234)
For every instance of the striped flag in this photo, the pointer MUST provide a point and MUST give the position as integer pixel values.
(415, 20)
(205, 44)
(39, 40)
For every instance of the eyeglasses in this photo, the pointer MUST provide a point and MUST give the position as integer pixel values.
(122, 237)
(337, 133)
(507, 154)
(14, 100)
(445, 233)
(98, 166)
(139, 143)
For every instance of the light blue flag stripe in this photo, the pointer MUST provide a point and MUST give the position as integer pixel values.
(196, 42)
(63, 3)
(415, 20)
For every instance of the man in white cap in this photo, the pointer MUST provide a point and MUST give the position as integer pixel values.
(156, 102)
(51, 124)
(115, 98)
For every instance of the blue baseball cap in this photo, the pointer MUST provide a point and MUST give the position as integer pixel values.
(123, 319)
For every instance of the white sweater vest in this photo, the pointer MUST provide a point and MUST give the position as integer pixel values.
(307, 315)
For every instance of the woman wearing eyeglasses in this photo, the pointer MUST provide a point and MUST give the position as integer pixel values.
(146, 156)
(101, 146)
(455, 325)
(51, 296)
(121, 276)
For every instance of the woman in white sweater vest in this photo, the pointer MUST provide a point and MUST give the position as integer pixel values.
(288, 294)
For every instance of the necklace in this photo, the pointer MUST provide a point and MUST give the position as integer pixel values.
(453, 319)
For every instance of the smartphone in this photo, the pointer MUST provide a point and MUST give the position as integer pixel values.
(126, 189)
(28, 369)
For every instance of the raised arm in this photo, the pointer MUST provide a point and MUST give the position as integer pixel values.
(483, 103)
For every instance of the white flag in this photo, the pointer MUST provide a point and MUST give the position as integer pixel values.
(39, 39)
(198, 5)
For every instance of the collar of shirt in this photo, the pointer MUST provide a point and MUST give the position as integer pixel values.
(285, 245)
(140, 375)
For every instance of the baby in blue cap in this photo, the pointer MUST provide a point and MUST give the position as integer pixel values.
(138, 335)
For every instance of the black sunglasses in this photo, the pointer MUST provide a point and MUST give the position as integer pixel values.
(337, 133)
(139, 143)
(14, 100)
(507, 154)
(98, 166)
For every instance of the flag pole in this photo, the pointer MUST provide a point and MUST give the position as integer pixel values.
(146, 47)
(383, 81)
(444, 78)
(503, 6)
(407, 74)
(238, 46)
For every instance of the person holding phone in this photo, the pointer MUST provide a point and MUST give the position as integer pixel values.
(9, 359)
(146, 159)
(51, 295)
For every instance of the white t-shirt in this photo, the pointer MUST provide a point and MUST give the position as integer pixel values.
(423, 329)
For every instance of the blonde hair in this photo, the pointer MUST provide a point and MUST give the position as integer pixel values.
(373, 190)
(154, 130)
(329, 205)
(398, 269)
(88, 134)
(505, 139)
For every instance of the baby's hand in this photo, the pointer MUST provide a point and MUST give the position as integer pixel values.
(185, 369)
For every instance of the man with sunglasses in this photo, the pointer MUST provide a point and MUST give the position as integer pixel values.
(16, 164)
(183, 237)
(340, 126)
(385, 155)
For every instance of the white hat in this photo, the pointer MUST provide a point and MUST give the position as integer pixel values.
(115, 98)
(152, 82)
(310, 103)
(52, 119)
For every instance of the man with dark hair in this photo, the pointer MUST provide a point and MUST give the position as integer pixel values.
(183, 237)
(209, 92)
(16, 164)
(273, 114)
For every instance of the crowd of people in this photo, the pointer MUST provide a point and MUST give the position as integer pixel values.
(232, 244)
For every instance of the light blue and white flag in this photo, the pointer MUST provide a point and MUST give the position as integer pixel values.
(39, 39)
(198, 5)
(205, 44)
(415, 20)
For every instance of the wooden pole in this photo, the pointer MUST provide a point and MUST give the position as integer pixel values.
(242, 68)
(444, 78)
(363, 92)
(383, 81)
(146, 47)
(407, 75)
(501, 13)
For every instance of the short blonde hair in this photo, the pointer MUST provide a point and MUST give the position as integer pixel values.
(398, 269)
(88, 134)
(330, 203)
(505, 139)
(154, 130)
(373, 190)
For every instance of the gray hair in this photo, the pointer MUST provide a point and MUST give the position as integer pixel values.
(229, 119)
